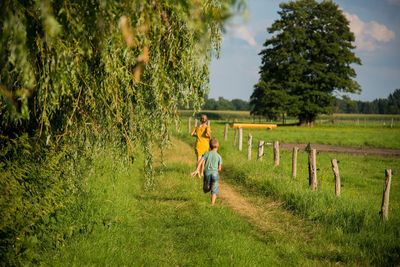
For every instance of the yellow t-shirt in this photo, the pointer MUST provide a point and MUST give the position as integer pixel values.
(202, 141)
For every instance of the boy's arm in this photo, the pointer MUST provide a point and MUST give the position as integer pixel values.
(219, 167)
(201, 162)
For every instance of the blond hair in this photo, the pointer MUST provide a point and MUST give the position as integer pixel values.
(214, 143)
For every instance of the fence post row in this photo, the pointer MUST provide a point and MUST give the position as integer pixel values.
(240, 139)
(335, 169)
(249, 144)
(276, 153)
(386, 192)
(260, 150)
(195, 122)
(294, 161)
(312, 169)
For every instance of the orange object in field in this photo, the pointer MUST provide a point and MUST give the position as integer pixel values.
(253, 126)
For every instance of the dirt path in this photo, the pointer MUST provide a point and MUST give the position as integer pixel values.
(266, 214)
(349, 150)
(263, 212)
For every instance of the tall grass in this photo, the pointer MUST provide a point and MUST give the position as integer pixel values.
(173, 225)
(351, 218)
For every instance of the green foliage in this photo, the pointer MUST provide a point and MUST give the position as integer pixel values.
(97, 64)
(308, 58)
(74, 74)
(389, 105)
(224, 104)
(271, 102)
(36, 187)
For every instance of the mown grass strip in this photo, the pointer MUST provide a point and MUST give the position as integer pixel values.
(174, 225)
(170, 226)
(351, 220)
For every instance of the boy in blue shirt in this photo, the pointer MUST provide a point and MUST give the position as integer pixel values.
(211, 163)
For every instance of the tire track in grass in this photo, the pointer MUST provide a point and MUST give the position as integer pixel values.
(265, 213)
(269, 217)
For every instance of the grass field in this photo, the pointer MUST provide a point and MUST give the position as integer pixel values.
(174, 225)
(342, 135)
(352, 218)
(333, 120)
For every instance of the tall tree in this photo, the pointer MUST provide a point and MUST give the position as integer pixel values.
(394, 102)
(73, 66)
(308, 58)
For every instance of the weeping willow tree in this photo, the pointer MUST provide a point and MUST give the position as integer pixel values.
(69, 67)
(74, 70)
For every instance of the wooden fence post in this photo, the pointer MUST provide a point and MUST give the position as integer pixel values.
(208, 123)
(336, 173)
(260, 150)
(391, 123)
(249, 144)
(195, 122)
(235, 137)
(294, 161)
(240, 139)
(226, 131)
(190, 125)
(276, 153)
(312, 169)
(385, 198)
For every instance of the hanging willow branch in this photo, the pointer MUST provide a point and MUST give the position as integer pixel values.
(126, 65)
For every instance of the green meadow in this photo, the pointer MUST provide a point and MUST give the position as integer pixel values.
(352, 218)
(333, 120)
(121, 224)
(174, 225)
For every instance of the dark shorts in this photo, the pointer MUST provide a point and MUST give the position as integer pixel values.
(210, 183)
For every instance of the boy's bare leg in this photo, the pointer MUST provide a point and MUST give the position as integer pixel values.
(213, 198)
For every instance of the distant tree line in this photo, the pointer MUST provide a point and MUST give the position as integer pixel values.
(225, 104)
(389, 105)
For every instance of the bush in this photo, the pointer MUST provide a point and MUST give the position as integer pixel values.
(37, 185)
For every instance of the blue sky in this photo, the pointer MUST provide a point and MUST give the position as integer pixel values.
(375, 23)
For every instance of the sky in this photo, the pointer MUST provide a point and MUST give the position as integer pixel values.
(375, 24)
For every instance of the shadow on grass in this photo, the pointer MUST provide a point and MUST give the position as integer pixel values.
(173, 167)
(160, 198)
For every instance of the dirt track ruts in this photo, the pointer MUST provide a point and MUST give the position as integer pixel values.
(349, 150)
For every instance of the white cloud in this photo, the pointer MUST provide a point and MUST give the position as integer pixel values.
(369, 34)
(243, 33)
(394, 2)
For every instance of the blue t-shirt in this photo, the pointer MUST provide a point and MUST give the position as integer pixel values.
(212, 160)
